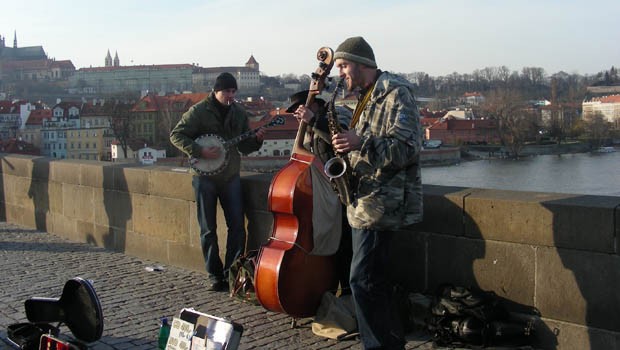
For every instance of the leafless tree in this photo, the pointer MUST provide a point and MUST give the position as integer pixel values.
(121, 125)
(516, 122)
(597, 129)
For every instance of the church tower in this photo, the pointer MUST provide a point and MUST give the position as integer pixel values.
(108, 59)
(15, 40)
(117, 62)
(251, 63)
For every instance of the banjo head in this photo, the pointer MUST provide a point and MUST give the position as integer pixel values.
(210, 166)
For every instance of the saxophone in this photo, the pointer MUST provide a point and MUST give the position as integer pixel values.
(337, 167)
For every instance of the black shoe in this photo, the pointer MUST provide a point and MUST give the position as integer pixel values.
(218, 286)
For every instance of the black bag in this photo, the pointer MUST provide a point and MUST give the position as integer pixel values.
(78, 307)
(241, 277)
(466, 318)
(26, 336)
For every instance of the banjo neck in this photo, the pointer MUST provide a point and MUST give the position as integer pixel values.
(235, 140)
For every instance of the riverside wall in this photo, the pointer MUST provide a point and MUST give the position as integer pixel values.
(557, 253)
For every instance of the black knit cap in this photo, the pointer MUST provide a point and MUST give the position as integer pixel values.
(356, 49)
(225, 81)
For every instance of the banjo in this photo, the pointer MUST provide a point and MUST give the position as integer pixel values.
(216, 165)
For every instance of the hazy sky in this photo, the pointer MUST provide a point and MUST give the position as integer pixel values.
(437, 37)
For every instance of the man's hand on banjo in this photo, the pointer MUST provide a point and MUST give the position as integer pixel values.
(260, 134)
(210, 152)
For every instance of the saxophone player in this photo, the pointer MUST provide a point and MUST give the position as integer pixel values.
(383, 147)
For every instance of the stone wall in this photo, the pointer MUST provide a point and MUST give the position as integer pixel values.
(557, 253)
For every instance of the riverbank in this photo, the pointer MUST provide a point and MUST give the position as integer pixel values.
(497, 152)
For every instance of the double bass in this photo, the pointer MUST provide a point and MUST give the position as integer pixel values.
(287, 279)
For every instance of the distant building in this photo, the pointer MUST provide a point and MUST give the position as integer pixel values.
(248, 76)
(454, 131)
(13, 116)
(149, 155)
(31, 63)
(15, 53)
(161, 78)
(473, 98)
(279, 139)
(33, 126)
(608, 106)
(154, 116)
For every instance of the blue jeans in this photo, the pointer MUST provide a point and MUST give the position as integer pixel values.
(372, 290)
(207, 193)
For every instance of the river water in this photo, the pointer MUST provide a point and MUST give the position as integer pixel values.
(577, 173)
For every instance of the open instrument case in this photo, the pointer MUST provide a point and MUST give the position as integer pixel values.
(197, 330)
(78, 308)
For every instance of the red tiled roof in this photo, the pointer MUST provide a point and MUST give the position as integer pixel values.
(18, 146)
(457, 124)
(472, 94)
(610, 99)
(36, 117)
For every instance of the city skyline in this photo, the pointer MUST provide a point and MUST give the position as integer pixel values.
(436, 37)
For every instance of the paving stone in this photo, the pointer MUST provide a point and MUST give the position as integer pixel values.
(37, 264)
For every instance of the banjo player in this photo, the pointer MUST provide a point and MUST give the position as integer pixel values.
(219, 115)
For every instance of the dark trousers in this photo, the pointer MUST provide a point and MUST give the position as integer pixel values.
(372, 290)
(207, 193)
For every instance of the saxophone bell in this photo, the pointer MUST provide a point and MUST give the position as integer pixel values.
(335, 168)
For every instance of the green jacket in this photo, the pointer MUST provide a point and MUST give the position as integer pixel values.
(204, 118)
(386, 169)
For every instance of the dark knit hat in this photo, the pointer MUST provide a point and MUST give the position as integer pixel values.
(299, 98)
(225, 81)
(356, 49)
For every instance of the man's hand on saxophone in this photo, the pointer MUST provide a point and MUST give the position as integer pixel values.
(346, 141)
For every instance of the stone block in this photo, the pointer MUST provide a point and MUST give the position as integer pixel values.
(508, 270)
(113, 209)
(54, 197)
(20, 216)
(135, 244)
(579, 287)
(170, 184)
(25, 193)
(65, 171)
(584, 222)
(189, 257)
(129, 178)
(63, 226)
(451, 260)
(40, 169)
(546, 219)
(85, 232)
(17, 165)
(504, 268)
(570, 336)
(443, 209)
(78, 202)
(161, 218)
(106, 237)
(92, 174)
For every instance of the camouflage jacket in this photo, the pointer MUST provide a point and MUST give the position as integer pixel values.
(386, 169)
(204, 118)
